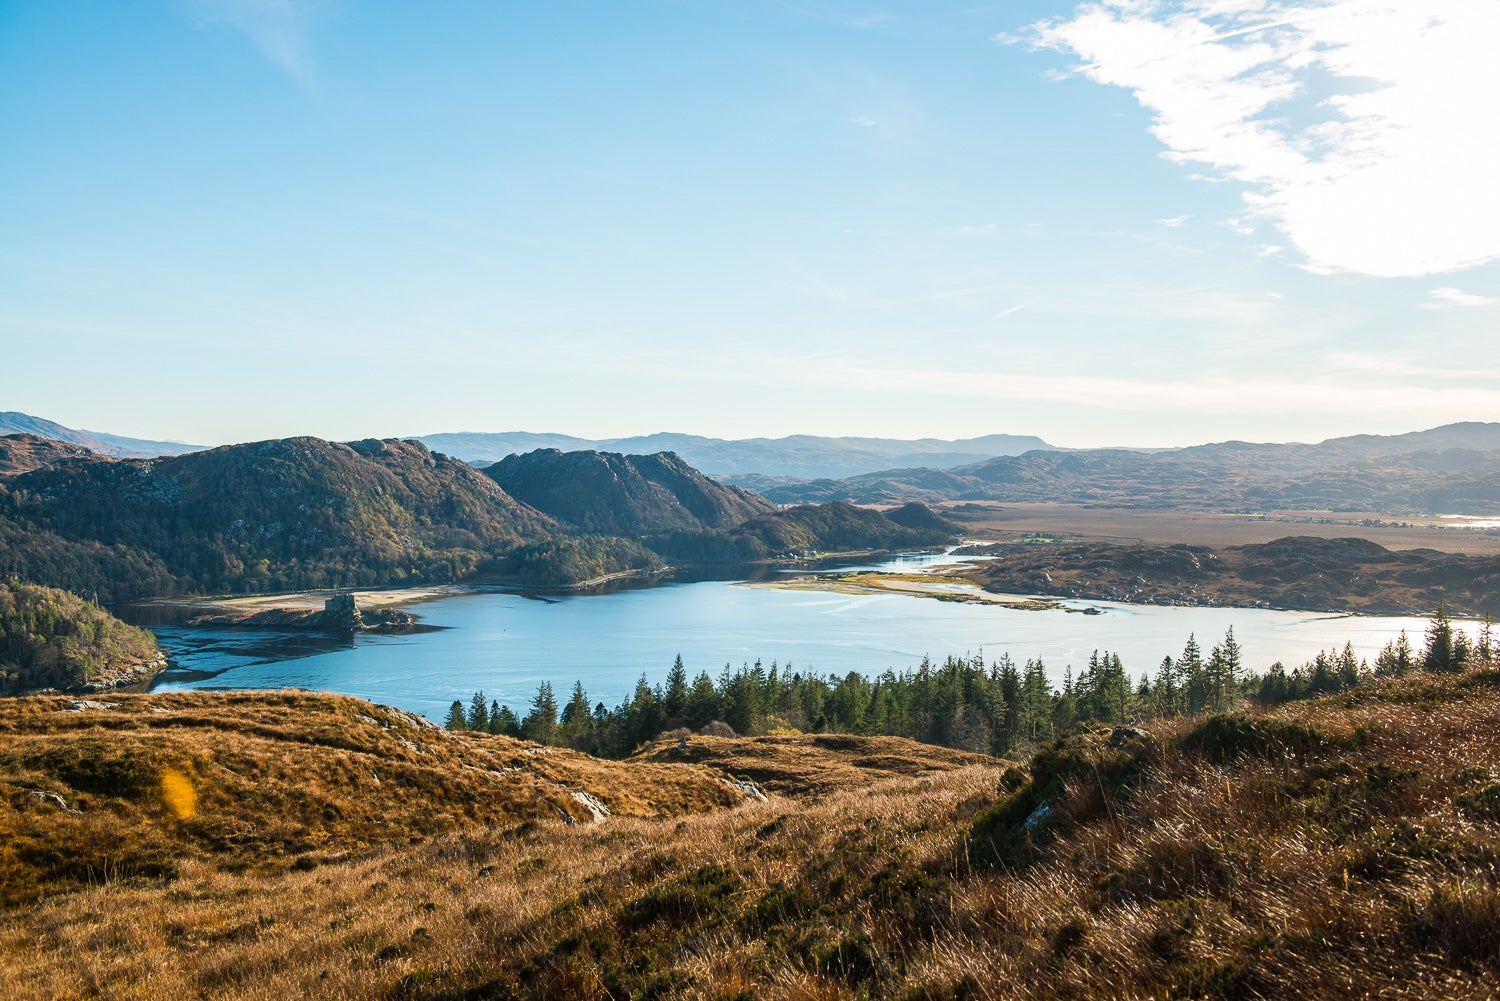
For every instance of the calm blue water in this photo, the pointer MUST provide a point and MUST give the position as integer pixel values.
(507, 643)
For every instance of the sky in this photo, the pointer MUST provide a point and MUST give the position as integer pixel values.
(1121, 223)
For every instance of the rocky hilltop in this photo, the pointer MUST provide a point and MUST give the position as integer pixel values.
(287, 514)
(613, 494)
(21, 453)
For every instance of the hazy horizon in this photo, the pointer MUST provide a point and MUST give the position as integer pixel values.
(1145, 225)
(1050, 440)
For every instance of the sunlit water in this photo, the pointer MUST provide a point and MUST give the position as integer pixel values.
(506, 643)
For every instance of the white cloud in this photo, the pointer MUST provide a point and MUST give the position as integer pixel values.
(1012, 311)
(1363, 129)
(280, 29)
(864, 121)
(1448, 298)
(1190, 397)
(1173, 222)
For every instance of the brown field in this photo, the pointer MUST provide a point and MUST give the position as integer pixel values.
(1087, 524)
(1336, 849)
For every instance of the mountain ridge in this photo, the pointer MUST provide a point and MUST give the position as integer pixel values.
(1439, 469)
(117, 446)
(790, 455)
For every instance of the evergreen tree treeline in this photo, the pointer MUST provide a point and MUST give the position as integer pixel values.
(998, 708)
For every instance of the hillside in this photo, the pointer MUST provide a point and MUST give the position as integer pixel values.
(1336, 848)
(98, 442)
(1299, 572)
(269, 781)
(803, 456)
(1452, 469)
(287, 514)
(53, 639)
(796, 531)
(631, 495)
(21, 453)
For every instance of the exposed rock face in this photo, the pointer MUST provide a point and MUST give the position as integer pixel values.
(597, 810)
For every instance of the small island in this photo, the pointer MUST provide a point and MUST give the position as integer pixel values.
(51, 639)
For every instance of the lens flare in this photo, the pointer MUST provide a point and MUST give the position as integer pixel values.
(178, 793)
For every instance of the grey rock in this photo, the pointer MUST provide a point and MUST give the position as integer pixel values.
(597, 810)
(746, 788)
(83, 705)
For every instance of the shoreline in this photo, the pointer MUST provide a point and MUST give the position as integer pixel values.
(914, 585)
(310, 601)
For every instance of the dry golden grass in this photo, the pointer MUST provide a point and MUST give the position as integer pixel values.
(272, 780)
(1343, 848)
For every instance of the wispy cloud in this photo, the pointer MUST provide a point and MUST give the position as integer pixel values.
(1184, 396)
(1174, 222)
(864, 122)
(1362, 128)
(1449, 298)
(280, 29)
(1012, 311)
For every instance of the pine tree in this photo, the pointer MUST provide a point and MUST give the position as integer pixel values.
(1438, 655)
(703, 702)
(456, 719)
(479, 714)
(1190, 675)
(1164, 691)
(1222, 673)
(676, 695)
(577, 712)
(540, 724)
(505, 721)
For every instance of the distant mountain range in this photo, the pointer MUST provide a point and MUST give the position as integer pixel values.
(115, 445)
(1451, 469)
(806, 456)
(797, 456)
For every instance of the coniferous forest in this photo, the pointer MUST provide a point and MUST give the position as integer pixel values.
(1000, 707)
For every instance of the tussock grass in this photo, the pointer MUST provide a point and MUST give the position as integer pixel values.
(268, 781)
(1229, 858)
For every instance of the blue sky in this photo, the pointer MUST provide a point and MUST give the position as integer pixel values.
(1136, 223)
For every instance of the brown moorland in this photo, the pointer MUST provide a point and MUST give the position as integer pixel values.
(1344, 847)
(1302, 572)
(1078, 523)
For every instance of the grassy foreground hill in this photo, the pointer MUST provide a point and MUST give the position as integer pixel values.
(1344, 847)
